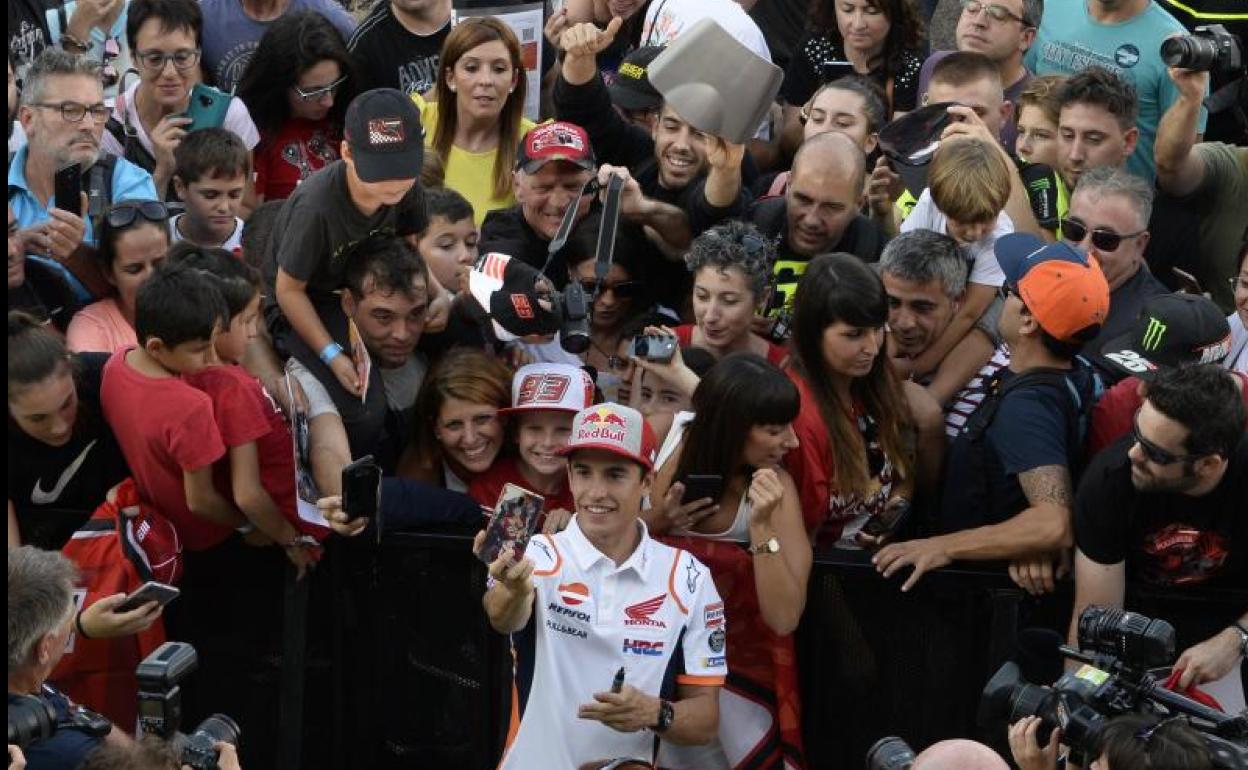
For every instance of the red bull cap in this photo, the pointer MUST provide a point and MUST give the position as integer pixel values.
(613, 428)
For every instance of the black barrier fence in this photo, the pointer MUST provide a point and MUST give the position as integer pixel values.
(417, 679)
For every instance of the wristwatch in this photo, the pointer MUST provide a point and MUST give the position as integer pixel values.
(770, 545)
(1243, 638)
(666, 715)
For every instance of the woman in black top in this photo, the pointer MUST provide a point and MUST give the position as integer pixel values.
(882, 39)
(63, 457)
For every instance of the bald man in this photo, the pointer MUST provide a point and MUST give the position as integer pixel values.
(819, 212)
(959, 754)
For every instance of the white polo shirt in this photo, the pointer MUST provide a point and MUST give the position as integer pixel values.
(658, 615)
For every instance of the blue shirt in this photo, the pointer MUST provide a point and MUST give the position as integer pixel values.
(231, 36)
(68, 747)
(1070, 40)
(129, 183)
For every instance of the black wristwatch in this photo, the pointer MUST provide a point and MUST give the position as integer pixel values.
(666, 715)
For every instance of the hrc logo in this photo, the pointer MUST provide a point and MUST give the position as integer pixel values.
(643, 647)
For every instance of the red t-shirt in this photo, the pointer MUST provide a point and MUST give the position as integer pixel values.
(1114, 414)
(487, 486)
(290, 155)
(775, 353)
(165, 428)
(245, 412)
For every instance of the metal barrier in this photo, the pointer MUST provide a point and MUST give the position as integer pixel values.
(420, 680)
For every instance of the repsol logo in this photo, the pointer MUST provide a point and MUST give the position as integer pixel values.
(559, 609)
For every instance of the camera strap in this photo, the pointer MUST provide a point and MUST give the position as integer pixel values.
(569, 221)
(607, 230)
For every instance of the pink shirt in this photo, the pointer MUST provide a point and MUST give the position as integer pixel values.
(100, 328)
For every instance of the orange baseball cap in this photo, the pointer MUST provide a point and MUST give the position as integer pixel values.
(1064, 290)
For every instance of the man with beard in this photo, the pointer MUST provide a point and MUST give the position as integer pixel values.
(63, 114)
(1165, 507)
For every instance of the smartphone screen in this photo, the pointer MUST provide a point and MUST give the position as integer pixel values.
(67, 189)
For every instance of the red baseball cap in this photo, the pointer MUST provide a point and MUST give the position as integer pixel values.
(559, 140)
(613, 428)
(1064, 290)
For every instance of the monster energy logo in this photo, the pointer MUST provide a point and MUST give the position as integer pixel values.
(1153, 334)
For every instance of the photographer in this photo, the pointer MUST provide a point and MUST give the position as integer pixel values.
(1128, 742)
(152, 753)
(41, 619)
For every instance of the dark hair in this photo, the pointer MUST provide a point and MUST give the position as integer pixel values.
(874, 98)
(1101, 88)
(841, 287)
(1148, 741)
(258, 230)
(146, 753)
(238, 283)
(215, 153)
(1205, 399)
(36, 352)
(699, 360)
(389, 261)
(446, 203)
(740, 391)
(292, 44)
(962, 67)
(906, 33)
(174, 15)
(1063, 349)
(109, 235)
(735, 244)
(178, 304)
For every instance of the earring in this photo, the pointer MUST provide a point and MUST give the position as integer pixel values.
(452, 87)
(511, 90)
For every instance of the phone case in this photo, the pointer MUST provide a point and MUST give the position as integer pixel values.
(700, 486)
(515, 518)
(361, 487)
(67, 189)
(208, 107)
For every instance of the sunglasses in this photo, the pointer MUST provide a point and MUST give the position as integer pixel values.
(623, 290)
(1104, 239)
(1005, 291)
(125, 214)
(1154, 453)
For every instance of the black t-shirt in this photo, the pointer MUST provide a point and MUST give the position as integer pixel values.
(1166, 539)
(1035, 425)
(45, 295)
(805, 73)
(319, 224)
(55, 489)
(28, 31)
(389, 56)
(507, 232)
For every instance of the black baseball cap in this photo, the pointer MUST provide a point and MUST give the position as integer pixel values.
(383, 131)
(1171, 330)
(631, 89)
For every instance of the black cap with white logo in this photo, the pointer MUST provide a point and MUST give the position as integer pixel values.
(383, 131)
(1172, 330)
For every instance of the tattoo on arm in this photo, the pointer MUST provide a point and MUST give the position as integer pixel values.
(1047, 484)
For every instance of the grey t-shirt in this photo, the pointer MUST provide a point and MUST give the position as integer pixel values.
(319, 224)
(401, 386)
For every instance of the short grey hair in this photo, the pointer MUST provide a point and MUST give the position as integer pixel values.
(41, 596)
(735, 244)
(1112, 180)
(921, 256)
(54, 62)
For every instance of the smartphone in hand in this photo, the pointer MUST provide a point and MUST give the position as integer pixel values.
(361, 488)
(207, 108)
(151, 591)
(700, 485)
(67, 189)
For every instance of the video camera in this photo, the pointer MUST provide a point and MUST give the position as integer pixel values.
(1118, 649)
(160, 707)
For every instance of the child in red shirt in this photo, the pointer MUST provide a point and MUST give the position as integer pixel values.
(259, 475)
(544, 398)
(165, 427)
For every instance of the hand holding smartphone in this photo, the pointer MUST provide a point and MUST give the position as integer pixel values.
(361, 488)
(67, 189)
(151, 591)
(702, 485)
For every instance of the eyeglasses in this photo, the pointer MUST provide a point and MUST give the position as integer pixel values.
(74, 112)
(154, 61)
(621, 289)
(995, 12)
(1154, 453)
(124, 214)
(1102, 238)
(1237, 282)
(1005, 291)
(318, 92)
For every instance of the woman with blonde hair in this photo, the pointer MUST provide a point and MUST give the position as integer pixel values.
(476, 120)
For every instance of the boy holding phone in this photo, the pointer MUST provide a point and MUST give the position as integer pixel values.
(210, 176)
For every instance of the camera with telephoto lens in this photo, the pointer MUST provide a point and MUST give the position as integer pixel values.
(1118, 649)
(1210, 49)
(572, 307)
(160, 707)
(891, 753)
(31, 719)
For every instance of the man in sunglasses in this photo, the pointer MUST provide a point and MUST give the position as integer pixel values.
(63, 114)
(1108, 218)
(1165, 506)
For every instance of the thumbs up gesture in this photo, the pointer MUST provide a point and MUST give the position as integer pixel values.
(585, 40)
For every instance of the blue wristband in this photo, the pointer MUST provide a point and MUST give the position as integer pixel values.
(330, 352)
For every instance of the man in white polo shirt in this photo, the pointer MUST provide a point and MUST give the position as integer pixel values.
(600, 596)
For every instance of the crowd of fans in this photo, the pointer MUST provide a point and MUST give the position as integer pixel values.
(1031, 351)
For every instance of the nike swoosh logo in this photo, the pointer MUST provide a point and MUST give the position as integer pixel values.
(39, 497)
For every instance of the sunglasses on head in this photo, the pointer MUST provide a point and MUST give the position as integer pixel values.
(1102, 238)
(125, 214)
(621, 289)
(1154, 453)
